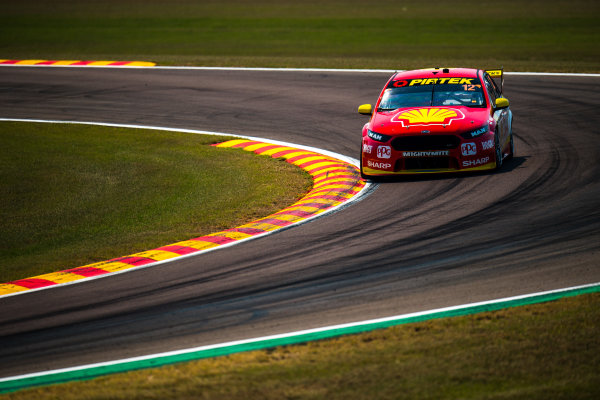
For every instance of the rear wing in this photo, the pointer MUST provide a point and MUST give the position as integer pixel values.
(495, 73)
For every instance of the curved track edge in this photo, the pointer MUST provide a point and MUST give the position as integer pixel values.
(86, 372)
(336, 183)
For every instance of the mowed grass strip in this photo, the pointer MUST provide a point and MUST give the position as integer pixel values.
(521, 35)
(543, 351)
(77, 194)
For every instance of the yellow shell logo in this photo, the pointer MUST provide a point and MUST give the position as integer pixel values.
(432, 116)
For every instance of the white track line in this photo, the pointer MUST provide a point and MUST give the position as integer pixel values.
(333, 328)
(355, 70)
(366, 190)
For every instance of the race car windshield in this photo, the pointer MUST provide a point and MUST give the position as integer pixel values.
(469, 95)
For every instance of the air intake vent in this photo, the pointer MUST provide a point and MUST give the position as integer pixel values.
(428, 163)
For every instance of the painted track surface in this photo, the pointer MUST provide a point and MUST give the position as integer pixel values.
(412, 245)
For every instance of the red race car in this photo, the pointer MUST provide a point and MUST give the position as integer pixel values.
(436, 121)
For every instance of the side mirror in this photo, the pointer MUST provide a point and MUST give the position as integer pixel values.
(502, 102)
(365, 109)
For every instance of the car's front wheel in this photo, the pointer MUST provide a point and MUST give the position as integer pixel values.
(498, 151)
(511, 147)
(362, 174)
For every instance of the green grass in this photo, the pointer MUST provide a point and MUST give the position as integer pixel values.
(534, 352)
(517, 34)
(541, 351)
(74, 194)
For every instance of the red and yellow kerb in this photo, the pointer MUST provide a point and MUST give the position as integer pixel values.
(334, 183)
(79, 63)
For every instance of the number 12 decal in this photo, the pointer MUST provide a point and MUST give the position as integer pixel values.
(471, 88)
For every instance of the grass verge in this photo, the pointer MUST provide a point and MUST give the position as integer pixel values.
(535, 35)
(541, 351)
(77, 194)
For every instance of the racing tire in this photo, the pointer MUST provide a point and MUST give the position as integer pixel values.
(511, 147)
(362, 174)
(497, 151)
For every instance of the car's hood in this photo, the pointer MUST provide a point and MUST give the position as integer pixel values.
(430, 120)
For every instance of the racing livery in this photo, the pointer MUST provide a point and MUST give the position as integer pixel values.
(436, 121)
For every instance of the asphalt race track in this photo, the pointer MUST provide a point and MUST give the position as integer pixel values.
(412, 245)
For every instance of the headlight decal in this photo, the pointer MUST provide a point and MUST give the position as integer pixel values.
(378, 137)
(476, 132)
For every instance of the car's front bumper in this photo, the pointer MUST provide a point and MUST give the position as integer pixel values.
(381, 159)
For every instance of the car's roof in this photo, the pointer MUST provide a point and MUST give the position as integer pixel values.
(437, 73)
